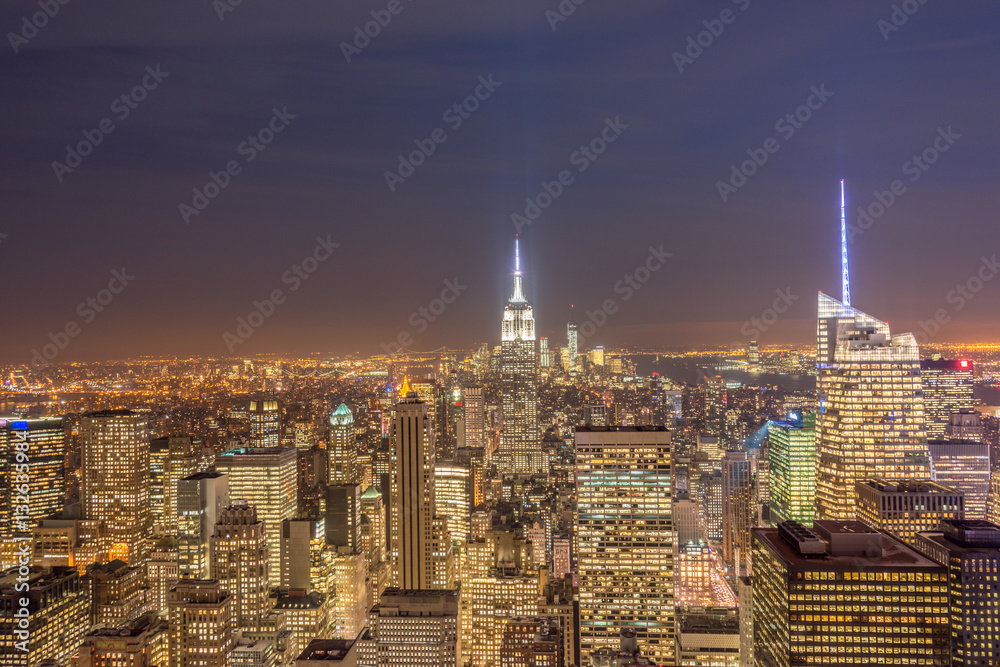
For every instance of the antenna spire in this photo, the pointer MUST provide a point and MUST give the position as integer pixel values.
(846, 277)
(517, 256)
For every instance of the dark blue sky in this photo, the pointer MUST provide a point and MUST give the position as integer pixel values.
(324, 174)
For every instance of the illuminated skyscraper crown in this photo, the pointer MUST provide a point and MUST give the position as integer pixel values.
(518, 320)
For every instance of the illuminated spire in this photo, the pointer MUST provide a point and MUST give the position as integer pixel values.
(843, 247)
(404, 389)
(518, 296)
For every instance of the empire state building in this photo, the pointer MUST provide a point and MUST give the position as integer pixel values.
(520, 446)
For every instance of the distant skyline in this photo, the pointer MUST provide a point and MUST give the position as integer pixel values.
(273, 149)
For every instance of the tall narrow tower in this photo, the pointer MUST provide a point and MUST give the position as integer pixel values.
(520, 447)
(844, 268)
(413, 493)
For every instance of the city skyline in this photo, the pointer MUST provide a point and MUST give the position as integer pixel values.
(322, 180)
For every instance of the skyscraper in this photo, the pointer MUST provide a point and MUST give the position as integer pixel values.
(904, 507)
(572, 344)
(520, 444)
(238, 551)
(947, 387)
(832, 596)
(739, 509)
(971, 552)
(413, 495)
(966, 467)
(792, 470)
(200, 501)
(871, 418)
(264, 478)
(625, 537)
(474, 411)
(265, 423)
(342, 464)
(413, 628)
(201, 624)
(115, 484)
(58, 604)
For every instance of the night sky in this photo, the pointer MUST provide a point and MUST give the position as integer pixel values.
(547, 93)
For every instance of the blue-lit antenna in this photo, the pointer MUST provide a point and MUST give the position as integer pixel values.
(843, 246)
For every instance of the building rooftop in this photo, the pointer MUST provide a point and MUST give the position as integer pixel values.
(621, 429)
(854, 546)
(327, 649)
(908, 486)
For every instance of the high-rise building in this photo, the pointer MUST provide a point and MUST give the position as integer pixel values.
(417, 628)
(373, 542)
(474, 411)
(964, 426)
(302, 542)
(520, 443)
(708, 637)
(42, 445)
(118, 593)
(239, 557)
(971, 552)
(544, 356)
(572, 344)
(835, 596)
(342, 463)
(115, 484)
(171, 459)
(343, 516)
(265, 423)
(903, 508)
(753, 356)
(498, 582)
(532, 642)
(162, 573)
(57, 608)
(966, 467)
(947, 387)
(350, 596)
(696, 563)
(739, 509)
(200, 501)
(264, 478)
(625, 537)
(871, 417)
(139, 643)
(202, 619)
(452, 487)
(412, 509)
(792, 470)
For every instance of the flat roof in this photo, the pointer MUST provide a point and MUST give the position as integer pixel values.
(895, 555)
